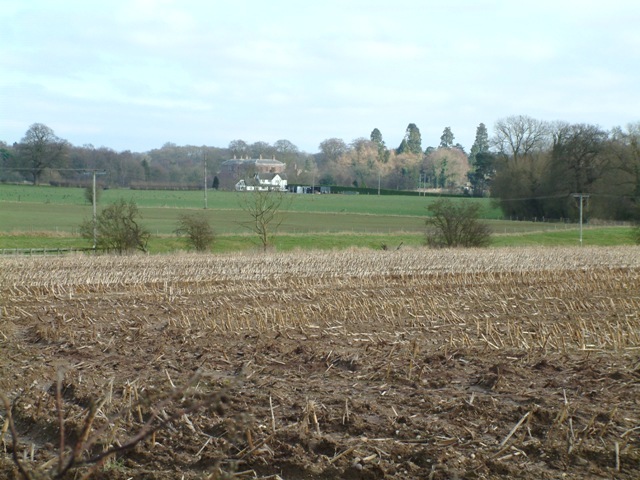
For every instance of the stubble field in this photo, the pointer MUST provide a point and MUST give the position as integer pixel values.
(496, 363)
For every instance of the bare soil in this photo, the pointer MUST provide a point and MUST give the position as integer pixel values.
(364, 373)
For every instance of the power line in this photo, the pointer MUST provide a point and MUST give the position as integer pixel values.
(562, 195)
(546, 197)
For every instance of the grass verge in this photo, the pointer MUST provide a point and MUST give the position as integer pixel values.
(593, 236)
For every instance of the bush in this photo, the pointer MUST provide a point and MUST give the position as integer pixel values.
(196, 230)
(635, 233)
(456, 224)
(88, 194)
(117, 228)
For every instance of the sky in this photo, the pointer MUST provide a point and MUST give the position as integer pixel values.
(135, 74)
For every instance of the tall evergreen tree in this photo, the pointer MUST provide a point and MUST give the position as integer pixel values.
(376, 136)
(402, 148)
(383, 153)
(412, 142)
(446, 139)
(481, 144)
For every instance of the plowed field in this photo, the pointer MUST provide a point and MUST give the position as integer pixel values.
(361, 365)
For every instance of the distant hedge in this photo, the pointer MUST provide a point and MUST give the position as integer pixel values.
(374, 191)
(165, 186)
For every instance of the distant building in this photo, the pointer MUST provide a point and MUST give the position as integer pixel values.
(233, 171)
(309, 189)
(263, 182)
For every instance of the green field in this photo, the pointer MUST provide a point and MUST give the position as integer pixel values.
(364, 204)
(48, 217)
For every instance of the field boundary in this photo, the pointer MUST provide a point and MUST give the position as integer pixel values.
(47, 251)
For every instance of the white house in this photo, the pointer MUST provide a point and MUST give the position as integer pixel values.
(263, 182)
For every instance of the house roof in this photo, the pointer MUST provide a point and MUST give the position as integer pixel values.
(271, 176)
(255, 180)
(249, 182)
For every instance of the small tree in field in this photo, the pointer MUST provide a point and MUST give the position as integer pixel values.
(88, 194)
(263, 206)
(117, 228)
(196, 230)
(456, 224)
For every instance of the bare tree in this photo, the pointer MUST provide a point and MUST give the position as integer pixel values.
(519, 136)
(264, 208)
(287, 152)
(239, 148)
(261, 149)
(331, 150)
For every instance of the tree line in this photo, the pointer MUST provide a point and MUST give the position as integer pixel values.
(540, 169)
(534, 169)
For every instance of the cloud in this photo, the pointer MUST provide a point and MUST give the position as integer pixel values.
(200, 70)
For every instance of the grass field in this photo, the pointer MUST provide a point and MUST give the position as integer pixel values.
(350, 204)
(48, 217)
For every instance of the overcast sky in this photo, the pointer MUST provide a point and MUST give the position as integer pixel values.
(133, 75)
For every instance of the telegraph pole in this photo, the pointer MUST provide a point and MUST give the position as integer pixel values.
(204, 160)
(581, 196)
(95, 215)
(94, 202)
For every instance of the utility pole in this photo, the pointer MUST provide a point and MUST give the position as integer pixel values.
(581, 196)
(94, 203)
(204, 160)
(95, 214)
(422, 184)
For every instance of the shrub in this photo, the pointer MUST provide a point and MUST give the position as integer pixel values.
(635, 232)
(117, 228)
(456, 224)
(196, 230)
(88, 194)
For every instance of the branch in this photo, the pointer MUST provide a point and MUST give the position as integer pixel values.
(81, 442)
(14, 437)
(60, 419)
(148, 428)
